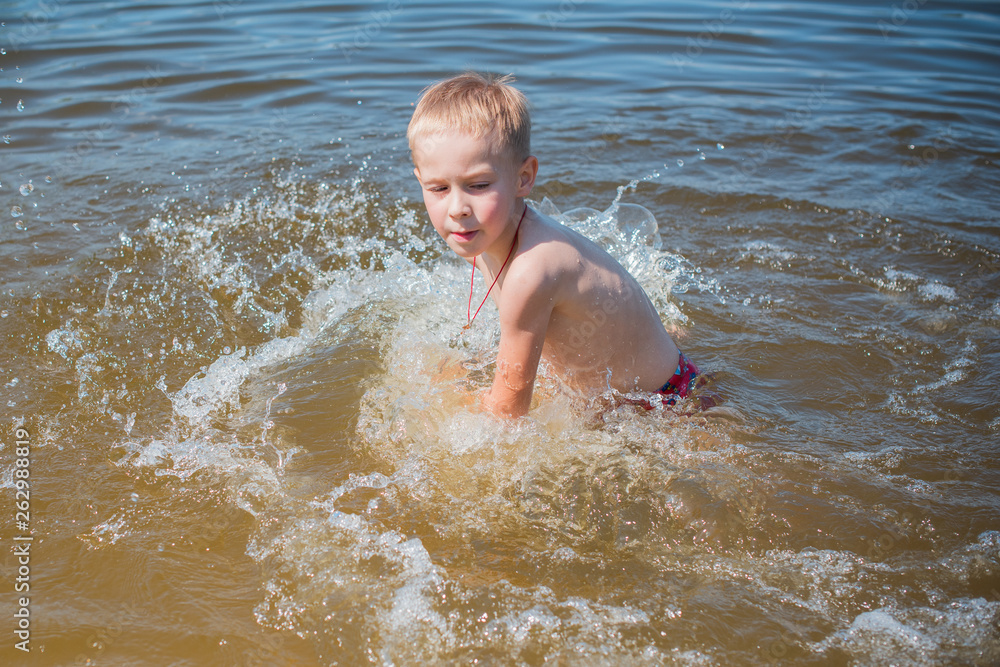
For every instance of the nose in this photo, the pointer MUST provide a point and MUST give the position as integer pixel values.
(458, 206)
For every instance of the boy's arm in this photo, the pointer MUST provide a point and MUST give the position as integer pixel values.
(525, 308)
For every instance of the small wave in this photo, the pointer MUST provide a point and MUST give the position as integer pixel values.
(930, 290)
(955, 631)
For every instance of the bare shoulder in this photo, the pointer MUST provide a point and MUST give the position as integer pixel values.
(547, 256)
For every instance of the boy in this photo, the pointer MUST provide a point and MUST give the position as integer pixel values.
(560, 296)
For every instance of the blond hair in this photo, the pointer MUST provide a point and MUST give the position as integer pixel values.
(485, 106)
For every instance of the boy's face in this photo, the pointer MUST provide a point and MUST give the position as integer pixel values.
(471, 195)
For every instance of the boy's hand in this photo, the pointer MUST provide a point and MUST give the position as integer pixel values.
(449, 369)
(510, 395)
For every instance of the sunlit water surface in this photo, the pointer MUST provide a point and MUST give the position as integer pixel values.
(236, 343)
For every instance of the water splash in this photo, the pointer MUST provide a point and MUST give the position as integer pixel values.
(388, 515)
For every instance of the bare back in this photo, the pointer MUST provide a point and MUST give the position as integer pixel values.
(602, 329)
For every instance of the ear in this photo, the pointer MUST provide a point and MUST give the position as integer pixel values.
(526, 174)
(416, 172)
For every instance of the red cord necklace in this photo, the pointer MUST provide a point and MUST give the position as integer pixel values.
(495, 279)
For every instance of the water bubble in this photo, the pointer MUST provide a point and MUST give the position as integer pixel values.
(135, 497)
(48, 179)
(719, 146)
(16, 211)
(680, 163)
(3, 52)
(6, 138)
(4, 314)
(26, 189)
(701, 156)
(20, 105)
(19, 79)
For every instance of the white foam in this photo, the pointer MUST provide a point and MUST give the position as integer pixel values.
(251, 481)
(962, 631)
(979, 559)
(884, 459)
(106, 533)
(65, 342)
(770, 253)
(936, 290)
(7, 478)
(879, 631)
(956, 371)
(899, 278)
(217, 388)
(929, 290)
(330, 557)
(594, 629)
(919, 400)
(411, 616)
(820, 580)
(419, 421)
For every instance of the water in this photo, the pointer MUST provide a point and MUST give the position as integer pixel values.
(234, 342)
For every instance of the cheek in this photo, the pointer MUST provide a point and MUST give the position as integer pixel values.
(438, 227)
(432, 204)
(492, 209)
(435, 213)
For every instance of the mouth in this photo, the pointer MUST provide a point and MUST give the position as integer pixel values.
(465, 236)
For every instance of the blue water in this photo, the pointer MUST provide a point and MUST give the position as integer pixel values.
(234, 337)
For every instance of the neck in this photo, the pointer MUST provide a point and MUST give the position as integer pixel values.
(510, 252)
(496, 254)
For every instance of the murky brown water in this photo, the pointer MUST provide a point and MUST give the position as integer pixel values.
(233, 343)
